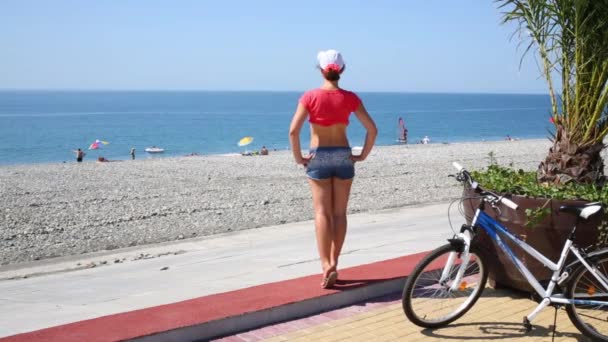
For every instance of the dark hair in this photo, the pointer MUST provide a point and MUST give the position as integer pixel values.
(333, 75)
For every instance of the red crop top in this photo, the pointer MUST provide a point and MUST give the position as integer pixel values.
(329, 107)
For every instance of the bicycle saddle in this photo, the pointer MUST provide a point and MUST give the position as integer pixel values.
(584, 210)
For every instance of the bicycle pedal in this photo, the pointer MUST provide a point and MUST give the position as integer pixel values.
(527, 324)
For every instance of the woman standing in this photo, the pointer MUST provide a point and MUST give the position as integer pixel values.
(330, 164)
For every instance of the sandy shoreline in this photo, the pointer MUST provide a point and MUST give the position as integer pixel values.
(49, 210)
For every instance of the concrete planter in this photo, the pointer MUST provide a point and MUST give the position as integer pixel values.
(547, 237)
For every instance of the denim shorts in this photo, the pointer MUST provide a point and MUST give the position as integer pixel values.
(327, 162)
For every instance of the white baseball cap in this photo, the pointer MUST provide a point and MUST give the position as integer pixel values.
(330, 59)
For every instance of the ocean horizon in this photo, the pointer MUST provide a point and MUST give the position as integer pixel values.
(40, 126)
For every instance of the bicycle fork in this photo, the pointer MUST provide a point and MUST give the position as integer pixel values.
(465, 240)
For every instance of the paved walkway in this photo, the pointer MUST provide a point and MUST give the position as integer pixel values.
(496, 316)
(61, 291)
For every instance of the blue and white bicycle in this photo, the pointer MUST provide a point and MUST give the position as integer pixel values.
(450, 279)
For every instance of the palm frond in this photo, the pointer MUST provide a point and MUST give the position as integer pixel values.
(570, 37)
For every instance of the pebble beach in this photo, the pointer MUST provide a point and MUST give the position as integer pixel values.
(60, 209)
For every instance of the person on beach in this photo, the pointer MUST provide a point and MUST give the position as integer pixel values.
(264, 151)
(330, 163)
(402, 131)
(132, 153)
(79, 155)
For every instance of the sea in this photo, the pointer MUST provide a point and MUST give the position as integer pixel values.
(47, 126)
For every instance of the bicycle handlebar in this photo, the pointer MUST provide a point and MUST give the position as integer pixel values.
(461, 170)
(508, 203)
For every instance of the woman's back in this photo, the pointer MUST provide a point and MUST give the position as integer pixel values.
(327, 107)
(328, 112)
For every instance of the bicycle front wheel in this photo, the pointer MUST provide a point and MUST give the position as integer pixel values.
(589, 310)
(430, 302)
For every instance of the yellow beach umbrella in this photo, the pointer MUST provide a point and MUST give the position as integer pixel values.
(245, 141)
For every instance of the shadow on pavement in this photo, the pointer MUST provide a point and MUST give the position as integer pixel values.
(497, 331)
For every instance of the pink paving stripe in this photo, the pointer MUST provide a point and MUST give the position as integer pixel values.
(213, 307)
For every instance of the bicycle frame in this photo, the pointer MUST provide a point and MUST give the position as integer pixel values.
(493, 229)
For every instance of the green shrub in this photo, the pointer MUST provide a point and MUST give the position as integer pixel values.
(518, 182)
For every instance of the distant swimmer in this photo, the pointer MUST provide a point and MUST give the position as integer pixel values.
(425, 140)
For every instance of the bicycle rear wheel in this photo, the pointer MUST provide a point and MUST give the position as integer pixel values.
(591, 316)
(429, 303)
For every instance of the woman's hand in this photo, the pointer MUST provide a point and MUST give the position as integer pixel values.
(358, 158)
(304, 160)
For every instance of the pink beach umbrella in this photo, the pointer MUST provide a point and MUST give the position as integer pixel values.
(97, 144)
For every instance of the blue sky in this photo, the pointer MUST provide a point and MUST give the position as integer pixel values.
(388, 45)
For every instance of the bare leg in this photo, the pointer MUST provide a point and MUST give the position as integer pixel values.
(322, 204)
(340, 194)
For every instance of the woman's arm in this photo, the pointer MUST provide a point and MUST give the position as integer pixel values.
(370, 136)
(294, 133)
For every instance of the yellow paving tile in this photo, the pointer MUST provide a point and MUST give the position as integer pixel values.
(366, 337)
(338, 330)
(280, 338)
(300, 334)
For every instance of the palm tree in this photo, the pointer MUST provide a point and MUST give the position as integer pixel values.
(571, 39)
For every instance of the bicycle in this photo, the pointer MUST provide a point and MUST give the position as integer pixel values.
(448, 281)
